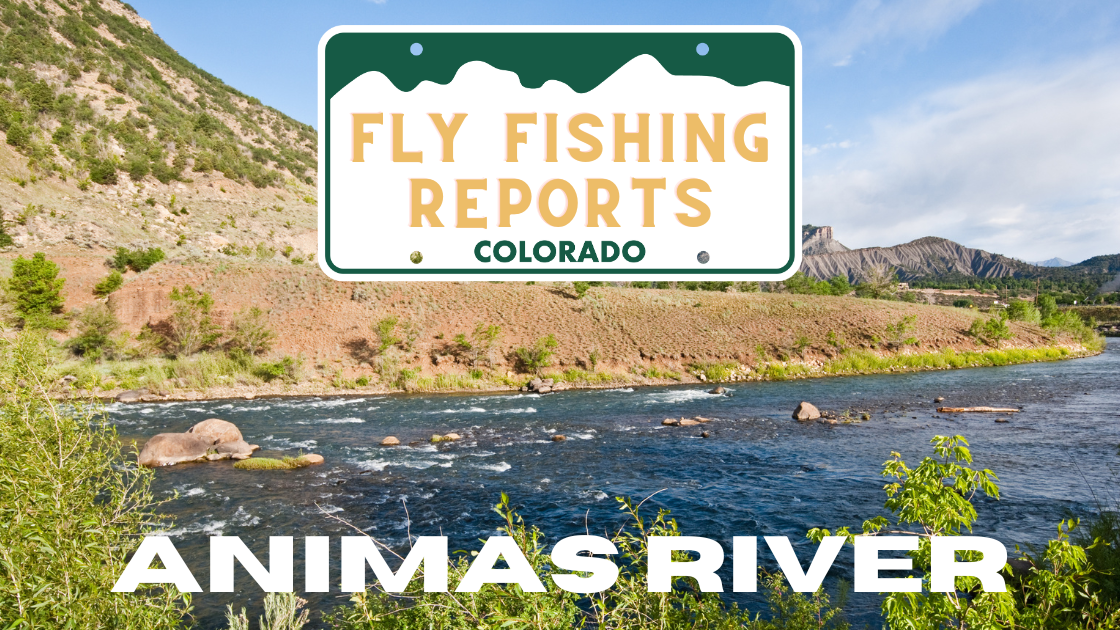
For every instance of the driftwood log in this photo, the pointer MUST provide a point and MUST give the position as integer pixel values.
(977, 410)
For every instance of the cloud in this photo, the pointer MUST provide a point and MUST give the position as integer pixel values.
(914, 21)
(1022, 163)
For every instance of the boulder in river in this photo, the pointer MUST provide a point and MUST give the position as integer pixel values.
(313, 458)
(705, 434)
(390, 441)
(237, 449)
(717, 390)
(671, 422)
(687, 422)
(131, 395)
(166, 449)
(806, 411)
(559, 438)
(221, 430)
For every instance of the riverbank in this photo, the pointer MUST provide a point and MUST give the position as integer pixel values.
(848, 363)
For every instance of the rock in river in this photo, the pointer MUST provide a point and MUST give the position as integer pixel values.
(390, 441)
(166, 449)
(806, 411)
(220, 430)
(717, 390)
(558, 438)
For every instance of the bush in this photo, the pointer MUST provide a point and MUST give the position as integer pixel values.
(103, 172)
(538, 356)
(96, 325)
(580, 288)
(250, 332)
(287, 369)
(72, 506)
(1023, 311)
(962, 303)
(935, 498)
(192, 329)
(992, 331)
(110, 283)
(36, 290)
(138, 260)
(901, 333)
(1046, 305)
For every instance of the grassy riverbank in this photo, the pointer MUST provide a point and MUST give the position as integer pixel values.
(213, 376)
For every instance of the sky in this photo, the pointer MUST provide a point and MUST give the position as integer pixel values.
(993, 123)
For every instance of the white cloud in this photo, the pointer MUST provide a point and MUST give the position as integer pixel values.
(914, 21)
(1024, 163)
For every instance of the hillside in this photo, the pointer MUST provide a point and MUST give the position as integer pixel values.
(112, 138)
(924, 257)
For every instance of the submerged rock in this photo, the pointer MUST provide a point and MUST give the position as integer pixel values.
(806, 411)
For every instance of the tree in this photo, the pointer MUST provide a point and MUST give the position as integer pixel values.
(250, 332)
(96, 325)
(480, 343)
(879, 282)
(1023, 311)
(37, 291)
(1047, 306)
(538, 356)
(192, 329)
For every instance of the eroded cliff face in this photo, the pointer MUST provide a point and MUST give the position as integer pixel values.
(819, 240)
(928, 256)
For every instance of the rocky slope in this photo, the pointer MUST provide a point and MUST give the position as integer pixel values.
(111, 138)
(925, 257)
(818, 240)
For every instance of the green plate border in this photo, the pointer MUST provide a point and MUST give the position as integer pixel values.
(391, 49)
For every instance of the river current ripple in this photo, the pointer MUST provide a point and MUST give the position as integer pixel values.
(760, 473)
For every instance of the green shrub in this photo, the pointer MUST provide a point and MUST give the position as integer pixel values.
(110, 283)
(580, 288)
(538, 356)
(96, 325)
(138, 260)
(962, 303)
(901, 333)
(103, 172)
(287, 369)
(935, 498)
(1023, 311)
(36, 290)
(716, 371)
(992, 331)
(73, 506)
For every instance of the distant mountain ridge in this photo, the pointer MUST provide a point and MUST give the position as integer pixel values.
(1052, 262)
(921, 258)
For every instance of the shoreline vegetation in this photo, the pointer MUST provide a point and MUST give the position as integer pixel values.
(164, 337)
(144, 375)
(75, 508)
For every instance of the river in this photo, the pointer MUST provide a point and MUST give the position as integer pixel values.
(759, 472)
